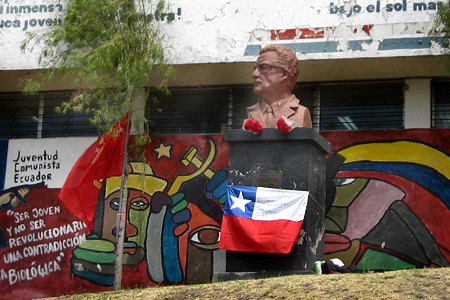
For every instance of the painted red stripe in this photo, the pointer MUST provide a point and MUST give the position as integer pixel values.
(242, 234)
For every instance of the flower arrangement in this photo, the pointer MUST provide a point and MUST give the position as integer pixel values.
(285, 125)
(252, 125)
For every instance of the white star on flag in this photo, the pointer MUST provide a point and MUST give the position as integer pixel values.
(239, 202)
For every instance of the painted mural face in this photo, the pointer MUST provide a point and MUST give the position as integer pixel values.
(381, 214)
(98, 250)
(138, 211)
(166, 236)
(141, 187)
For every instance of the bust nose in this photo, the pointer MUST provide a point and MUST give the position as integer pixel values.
(256, 73)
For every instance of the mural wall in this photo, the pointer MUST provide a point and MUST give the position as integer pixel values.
(387, 208)
(173, 218)
(391, 205)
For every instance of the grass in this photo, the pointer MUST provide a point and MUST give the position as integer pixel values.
(404, 284)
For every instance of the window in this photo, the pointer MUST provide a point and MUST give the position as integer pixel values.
(361, 106)
(242, 98)
(186, 111)
(64, 125)
(354, 106)
(34, 116)
(208, 110)
(441, 104)
(19, 116)
(332, 106)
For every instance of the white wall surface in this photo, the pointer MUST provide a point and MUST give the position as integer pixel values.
(49, 160)
(232, 31)
(418, 103)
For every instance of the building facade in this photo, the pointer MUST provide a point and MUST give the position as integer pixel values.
(369, 73)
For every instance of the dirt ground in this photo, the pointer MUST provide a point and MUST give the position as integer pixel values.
(405, 284)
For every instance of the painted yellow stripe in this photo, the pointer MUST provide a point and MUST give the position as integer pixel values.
(401, 151)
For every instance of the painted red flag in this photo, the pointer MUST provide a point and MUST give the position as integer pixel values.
(102, 159)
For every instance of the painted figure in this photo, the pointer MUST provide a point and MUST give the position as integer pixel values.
(12, 198)
(275, 75)
(171, 228)
(391, 206)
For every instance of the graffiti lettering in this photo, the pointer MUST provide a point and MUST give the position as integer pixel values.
(27, 24)
(19, 216)
(32, 178)
(19, 228)
(430, 6)
(55, 246)
(42, 249)
(162, 16)
(46, 234)
(390, 7)
(9, 23)
(42, 22)
(40, 212)
(44, 166)
(29, 9)
(9, 230)
(34, 225)
(3, 275)
(33, 272)
(42, 157)
(11, 257)
(25, 167)
(13, 9)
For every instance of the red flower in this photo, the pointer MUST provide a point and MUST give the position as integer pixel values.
(252, 125)
(284, 124)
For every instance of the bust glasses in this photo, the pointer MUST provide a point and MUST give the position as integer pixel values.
(264, 68)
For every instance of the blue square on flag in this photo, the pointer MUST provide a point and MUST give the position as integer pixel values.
(240, 201)
(259, 219)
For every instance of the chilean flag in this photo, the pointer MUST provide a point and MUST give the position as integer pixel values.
(259, 219)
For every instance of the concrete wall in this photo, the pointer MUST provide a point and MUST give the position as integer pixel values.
(216, 44)
(417, 103)
(222, 31)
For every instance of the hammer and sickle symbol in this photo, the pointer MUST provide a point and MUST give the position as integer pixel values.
(158, 257)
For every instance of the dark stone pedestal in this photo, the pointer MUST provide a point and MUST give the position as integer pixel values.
(293, 161)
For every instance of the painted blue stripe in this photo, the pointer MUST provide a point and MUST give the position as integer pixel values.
(357, 45)
(316, 47)
(332, 46)
(182, 216)
(221, 189)
(432, 180)
(217, 179)
(170, 253)
(252, 50)
(405, 43)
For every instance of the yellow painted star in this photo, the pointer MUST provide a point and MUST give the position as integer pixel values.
(163, 150)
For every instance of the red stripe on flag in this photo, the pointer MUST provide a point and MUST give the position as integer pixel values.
(242, 234)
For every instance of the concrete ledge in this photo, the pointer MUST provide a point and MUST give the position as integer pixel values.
(273, 134)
